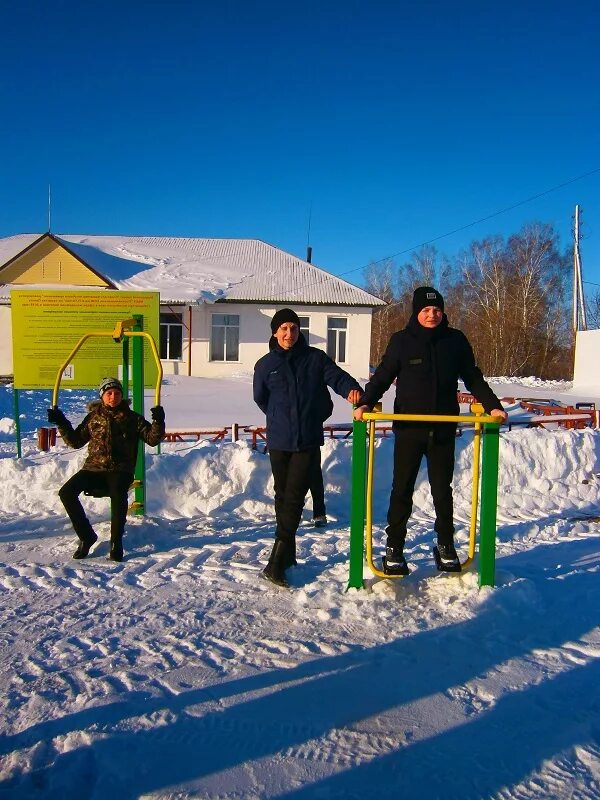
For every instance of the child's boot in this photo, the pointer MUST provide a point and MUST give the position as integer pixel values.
(87, 537)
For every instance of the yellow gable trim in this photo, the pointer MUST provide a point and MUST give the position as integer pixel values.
(49, 262)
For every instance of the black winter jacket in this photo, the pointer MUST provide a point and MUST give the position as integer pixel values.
(290, 387)
(113, 435)
(427, 364)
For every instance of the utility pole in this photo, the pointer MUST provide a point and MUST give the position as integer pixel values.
(579, 319)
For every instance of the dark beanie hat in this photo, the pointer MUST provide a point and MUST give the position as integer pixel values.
(426, 296)
(283, 315)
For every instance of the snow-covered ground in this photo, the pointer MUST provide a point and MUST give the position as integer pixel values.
(178, 673)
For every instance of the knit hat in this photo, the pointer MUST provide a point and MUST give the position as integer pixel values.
(283, 315)
(109, 383)
(426, 296)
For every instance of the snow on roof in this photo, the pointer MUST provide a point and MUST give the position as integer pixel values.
(186, 270)
(11, 246)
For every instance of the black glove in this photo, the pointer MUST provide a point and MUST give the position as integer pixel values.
(158, 414)
(56, 417)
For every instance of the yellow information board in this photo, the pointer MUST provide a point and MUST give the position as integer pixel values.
(47, 324)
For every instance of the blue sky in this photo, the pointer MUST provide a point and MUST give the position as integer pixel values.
(388, 124)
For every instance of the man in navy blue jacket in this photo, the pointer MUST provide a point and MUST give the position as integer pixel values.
(290, 387)
(426, 359)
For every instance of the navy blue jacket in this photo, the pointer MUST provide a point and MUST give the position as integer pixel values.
(426, 364)
(290, 387)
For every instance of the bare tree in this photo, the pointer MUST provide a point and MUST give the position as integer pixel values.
(509, 296)
(379, 280)
(515, 295)
(592, 308)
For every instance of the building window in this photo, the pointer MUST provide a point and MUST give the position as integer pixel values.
(305, 327)
(171, 337)
(225, 337)
(337, 329)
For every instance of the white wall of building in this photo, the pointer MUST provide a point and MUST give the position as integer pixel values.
(6, 361)
(587, 359)
(254, 337)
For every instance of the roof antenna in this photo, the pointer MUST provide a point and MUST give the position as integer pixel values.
(49, 206)
(308, 247)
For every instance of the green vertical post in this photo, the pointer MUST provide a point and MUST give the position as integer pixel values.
(489, 501)
(17, 422)
(138, 405)
(357, 515)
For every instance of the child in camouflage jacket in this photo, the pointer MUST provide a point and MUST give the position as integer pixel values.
(112, 432)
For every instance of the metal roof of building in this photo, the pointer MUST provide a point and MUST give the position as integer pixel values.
(186, 270)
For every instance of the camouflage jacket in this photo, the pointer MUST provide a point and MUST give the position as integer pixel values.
(112, 435)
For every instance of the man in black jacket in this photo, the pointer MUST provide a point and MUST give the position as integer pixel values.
(426, 358)
(290, 387)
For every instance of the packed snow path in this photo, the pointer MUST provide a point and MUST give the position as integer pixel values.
(179, 673)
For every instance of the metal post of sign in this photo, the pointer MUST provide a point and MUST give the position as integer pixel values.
(17, 422)
(357, 518)
(489, 500)
(138, 405)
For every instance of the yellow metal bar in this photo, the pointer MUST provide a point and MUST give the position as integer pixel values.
(111, 334)
(63, 367)
(474, 495)
(121, 327)
(463, 418)
(369, 507)
(477, 409)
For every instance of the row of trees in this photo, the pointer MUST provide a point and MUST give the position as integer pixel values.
(511, 297)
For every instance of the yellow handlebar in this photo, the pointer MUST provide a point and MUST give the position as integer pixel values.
(118, 332)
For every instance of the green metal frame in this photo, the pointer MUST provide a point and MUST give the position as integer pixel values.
(357, 512)
(488, 497)
(139, 504)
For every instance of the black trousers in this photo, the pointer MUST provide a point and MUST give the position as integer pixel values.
(99, 484)
(292, 474)
(317, 489)
(409, 448)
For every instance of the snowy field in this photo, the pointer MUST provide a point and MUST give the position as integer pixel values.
(179, 673)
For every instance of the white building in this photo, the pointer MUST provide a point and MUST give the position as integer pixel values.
(217, 296)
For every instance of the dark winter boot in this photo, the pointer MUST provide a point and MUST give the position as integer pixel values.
(279, 561)
(394, 562)
(290, 555)
(83, 548)
(116, 549)
(446, 558)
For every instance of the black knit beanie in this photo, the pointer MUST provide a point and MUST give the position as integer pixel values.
(283, 315)
(426, 296)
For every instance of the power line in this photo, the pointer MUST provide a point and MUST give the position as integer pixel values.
(482, 219)
(458, 230)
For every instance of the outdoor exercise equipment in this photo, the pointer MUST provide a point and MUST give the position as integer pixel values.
(362, 491)
(124, 331)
